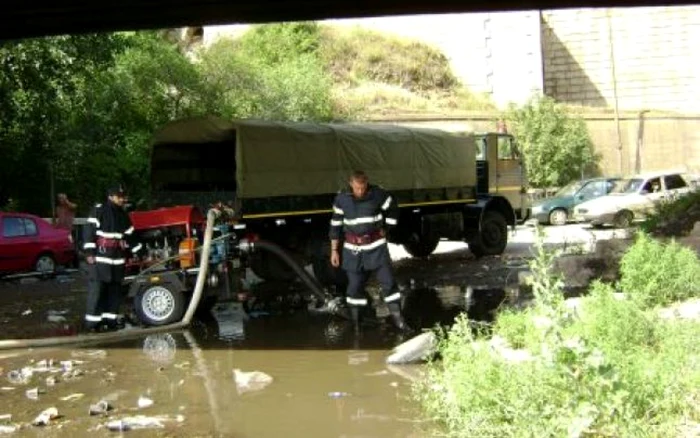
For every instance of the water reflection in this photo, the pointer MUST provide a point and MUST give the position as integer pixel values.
(325, 380)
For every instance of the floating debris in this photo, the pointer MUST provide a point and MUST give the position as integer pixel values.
(144, 402)
(100, 408)
(90, 354)
(33, 394)
(247, 381)
(338, 394)
(46, 417)
(7, 429)
(141, 422)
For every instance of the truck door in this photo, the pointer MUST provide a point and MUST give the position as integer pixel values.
(507, 177)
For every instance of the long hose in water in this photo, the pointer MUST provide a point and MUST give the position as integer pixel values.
(212, 215)
(310, 281)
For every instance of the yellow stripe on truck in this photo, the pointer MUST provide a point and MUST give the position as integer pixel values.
(301, 213)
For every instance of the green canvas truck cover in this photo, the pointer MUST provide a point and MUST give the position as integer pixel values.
(297, 159)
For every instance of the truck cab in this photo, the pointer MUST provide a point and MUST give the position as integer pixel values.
(501, 171)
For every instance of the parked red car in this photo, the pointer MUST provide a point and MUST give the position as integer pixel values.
(29, 243)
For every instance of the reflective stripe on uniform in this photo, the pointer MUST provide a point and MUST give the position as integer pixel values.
(110, 315)
(336, 210)
(375, 244)
(107, 235)
(89, 245)
(108, 261)
(393, 297)
(387, 203)
(356, 301)
(136, 248)
(363, 220)
(335, 223)
(129, 230)
(391, 221)
(94, 220)
(93, 318)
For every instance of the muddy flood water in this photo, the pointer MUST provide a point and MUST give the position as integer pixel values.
(206, 381)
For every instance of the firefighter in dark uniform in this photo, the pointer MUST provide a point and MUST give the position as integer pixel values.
(108, 241)
(362, 217)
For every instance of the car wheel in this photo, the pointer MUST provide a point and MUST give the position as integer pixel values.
(45, 264)
(159, 305)
(558, 216)
(623, 219)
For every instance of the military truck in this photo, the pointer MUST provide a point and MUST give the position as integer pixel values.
(281, 178)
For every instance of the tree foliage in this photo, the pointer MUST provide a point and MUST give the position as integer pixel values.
(83, 108)
(556, 145)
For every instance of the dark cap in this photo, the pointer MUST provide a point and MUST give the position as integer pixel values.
(117, 189)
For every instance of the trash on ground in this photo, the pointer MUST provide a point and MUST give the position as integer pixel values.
(27, 312)
(6, 417)
(20, 377)
(145, 402)
(247, 381)
(100, 408)
(338, 394)
(76, 396)
(45, 417)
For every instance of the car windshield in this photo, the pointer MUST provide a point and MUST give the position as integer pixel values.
(569, 189)
(627, 185)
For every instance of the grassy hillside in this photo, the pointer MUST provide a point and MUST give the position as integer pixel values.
(379, 74)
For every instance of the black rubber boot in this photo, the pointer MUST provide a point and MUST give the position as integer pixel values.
(397, 318)
(355, 317)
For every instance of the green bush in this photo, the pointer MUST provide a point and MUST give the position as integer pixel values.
(656, 273)
(675, 218)
(555, 144)
(608, 367)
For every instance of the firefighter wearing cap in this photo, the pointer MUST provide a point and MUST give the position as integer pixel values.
(108, 241)
(362, 216)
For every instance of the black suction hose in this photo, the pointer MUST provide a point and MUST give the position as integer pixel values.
(309, 280)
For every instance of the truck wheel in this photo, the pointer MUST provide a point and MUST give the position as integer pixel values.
(493, 238)
(421, 245)
(159, 305)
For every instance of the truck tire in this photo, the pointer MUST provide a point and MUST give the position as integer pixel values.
(159, 305)
(421, 244)
(493, 238)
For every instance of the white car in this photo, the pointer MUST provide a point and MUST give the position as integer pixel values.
(632, 198)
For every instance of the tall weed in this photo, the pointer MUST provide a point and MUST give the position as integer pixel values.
(656, 273)
(606, 367)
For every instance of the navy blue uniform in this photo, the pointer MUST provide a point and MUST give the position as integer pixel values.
(108, 237)
(362, 225)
